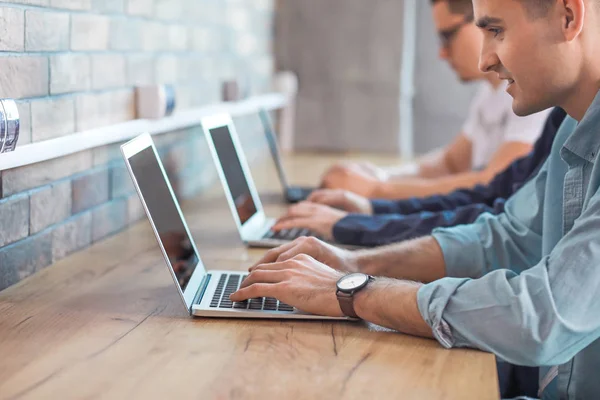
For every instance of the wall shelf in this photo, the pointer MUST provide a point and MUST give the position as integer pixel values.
(80, 141)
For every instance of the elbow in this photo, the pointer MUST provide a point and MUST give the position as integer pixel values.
(534, 352)
(549, 353)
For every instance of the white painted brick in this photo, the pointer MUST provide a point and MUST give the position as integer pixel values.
(12, 29)
(178, 38)
(140, 69)
(46, 31)
(140, 7)
(112, 6)
(89, 32)
(14, 219)
(168, 9)
(75, 234)
(70, 73)
(246, 45)
(167, 69)
(98, 110)
(49, 206)
(135, 209)
(264, 5)
(20, 179)
(154, 36)
(190, 69)
(239, 19)
(23, 77)
(32, 2)
(125, 34)
(24, 108)
(263, 66)
(108, 71)
(72, 4)
(51, 118)
(199, 39)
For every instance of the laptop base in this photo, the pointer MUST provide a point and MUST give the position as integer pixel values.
(296, 194)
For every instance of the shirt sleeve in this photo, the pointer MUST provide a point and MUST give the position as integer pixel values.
(525, 129)
(378, 230)
(458, 198)
(542, 315)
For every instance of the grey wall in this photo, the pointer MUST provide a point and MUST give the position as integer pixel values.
(347, 54)
(441, 102)
(349, 58)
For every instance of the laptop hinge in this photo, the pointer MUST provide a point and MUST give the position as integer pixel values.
(201, 290)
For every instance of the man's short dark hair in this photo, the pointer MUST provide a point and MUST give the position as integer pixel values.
(462, 7)
(537, 8)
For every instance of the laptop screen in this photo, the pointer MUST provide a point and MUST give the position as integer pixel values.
(273, 147)
(234, 174)
(165, 215)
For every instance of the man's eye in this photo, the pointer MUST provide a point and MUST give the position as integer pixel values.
(495, 31)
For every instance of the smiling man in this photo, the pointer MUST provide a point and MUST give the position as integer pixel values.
(491, 138)
(524, 284)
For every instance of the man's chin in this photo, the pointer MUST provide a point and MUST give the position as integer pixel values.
(523, 109)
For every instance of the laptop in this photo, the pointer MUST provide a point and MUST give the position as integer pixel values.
(204, 293)
(292, 194)
(253, 225)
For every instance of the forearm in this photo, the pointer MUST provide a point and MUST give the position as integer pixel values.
(418, 260)
(392, 304)
(421, 187)
(431, 165)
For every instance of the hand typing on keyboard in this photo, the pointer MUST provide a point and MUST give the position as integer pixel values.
(319, 219)
(302, 282)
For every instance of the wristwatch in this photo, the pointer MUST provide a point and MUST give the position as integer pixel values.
(347, 287)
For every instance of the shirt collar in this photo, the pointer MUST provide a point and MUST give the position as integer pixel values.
(585, 140)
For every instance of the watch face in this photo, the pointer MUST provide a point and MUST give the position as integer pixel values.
(352, 281)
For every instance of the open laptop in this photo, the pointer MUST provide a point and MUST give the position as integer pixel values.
(204, 293)
(247, 209)
(253, 225)
(292, 194)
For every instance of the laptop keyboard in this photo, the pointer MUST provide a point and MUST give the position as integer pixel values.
(228, 284)
(290, 234)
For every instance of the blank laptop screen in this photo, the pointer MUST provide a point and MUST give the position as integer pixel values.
(234, 174)
(165, 215)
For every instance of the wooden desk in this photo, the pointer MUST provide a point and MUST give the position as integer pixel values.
(108, 323)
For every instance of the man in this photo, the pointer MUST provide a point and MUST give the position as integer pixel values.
(524, 284)
(491, 138)
(351, 219)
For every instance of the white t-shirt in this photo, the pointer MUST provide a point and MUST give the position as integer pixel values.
(492, 122)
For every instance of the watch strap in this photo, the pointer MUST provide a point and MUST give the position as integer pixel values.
(346, 301)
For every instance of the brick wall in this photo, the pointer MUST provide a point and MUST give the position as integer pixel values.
(72, 65)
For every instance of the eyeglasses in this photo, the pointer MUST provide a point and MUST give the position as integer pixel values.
(447, 35)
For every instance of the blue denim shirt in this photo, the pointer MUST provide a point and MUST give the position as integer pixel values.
(525, 284)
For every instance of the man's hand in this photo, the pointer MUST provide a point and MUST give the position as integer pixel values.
(339, 259)
(301, 281)
(318, 218)
(342, 199)
(363, 179)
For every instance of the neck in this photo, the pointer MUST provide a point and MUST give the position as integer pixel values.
(581, 97)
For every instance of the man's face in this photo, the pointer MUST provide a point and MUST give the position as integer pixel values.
(463, 46)
(530, 53)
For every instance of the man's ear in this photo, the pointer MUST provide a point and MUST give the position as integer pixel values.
(572, 15)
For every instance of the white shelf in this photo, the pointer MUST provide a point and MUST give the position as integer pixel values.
(63, 146)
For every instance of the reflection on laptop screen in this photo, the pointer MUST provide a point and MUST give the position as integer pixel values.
(164, 214)
(234, 174)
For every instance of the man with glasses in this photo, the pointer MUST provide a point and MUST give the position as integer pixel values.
(491, 139)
